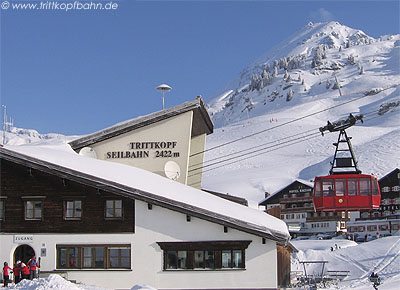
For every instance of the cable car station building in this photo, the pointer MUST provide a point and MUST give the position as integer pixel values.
(120, 219)
(168, 142)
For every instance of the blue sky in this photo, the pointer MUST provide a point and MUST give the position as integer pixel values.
(76, 72)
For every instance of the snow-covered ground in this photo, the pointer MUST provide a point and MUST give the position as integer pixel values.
(56, 282)
(381, 256)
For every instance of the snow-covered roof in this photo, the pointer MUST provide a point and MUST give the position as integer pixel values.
(307, 183)
(140, 184)
(201, 123)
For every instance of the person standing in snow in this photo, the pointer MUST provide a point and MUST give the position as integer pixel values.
(24, 271)
(17, 272)
(6, 273)
(32, 268)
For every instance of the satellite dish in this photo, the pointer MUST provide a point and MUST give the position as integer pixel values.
(88, 152)
(172, 170)
(163, 88)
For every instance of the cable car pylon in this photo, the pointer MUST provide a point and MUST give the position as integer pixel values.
(345, 188)
(344, 160)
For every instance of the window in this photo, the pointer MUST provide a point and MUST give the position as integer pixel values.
(2, 202)
(352, 186)
(68, 257)
(94, 257)
(33, 209)
(340, 187)
(204, 255)
(383, 227)
(375, 189)
(204, 260)
(317, 189)
(365, 186)
(73, 209)
(232, 259)
(176, 259)
(114, 209)
(327, 187)
(119, 257)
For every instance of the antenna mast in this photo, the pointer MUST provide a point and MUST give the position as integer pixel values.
(4, 123)
(163, 88)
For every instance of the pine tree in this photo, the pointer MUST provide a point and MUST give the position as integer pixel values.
(328, 84)
(289, 95)
(317, 58)
(275, 74)
(286, 75)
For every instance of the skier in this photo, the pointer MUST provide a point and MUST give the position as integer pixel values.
(17, 272)
(6, 276)
(25, 271)
(374, 278)
(32, 268)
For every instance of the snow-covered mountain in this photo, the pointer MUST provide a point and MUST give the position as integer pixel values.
(20, 136)
(320, 61)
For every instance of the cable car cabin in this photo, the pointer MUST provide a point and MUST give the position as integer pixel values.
(351, 192)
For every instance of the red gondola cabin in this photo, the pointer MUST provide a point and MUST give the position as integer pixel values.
(341, 192)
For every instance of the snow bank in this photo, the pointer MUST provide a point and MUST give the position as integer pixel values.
(143, 287)
(52, 282)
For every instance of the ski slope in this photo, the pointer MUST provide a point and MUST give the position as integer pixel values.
(381, 256)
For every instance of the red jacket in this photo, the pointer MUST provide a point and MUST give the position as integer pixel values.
(32, 264)
(17, 270)
(25, 269)
(5, 270)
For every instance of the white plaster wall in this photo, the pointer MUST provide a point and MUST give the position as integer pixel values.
(162, 225)
(197, 144)
(176, 128)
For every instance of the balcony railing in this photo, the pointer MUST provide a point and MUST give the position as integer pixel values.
(296, 199)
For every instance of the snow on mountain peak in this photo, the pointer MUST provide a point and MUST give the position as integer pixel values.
(344, 59)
